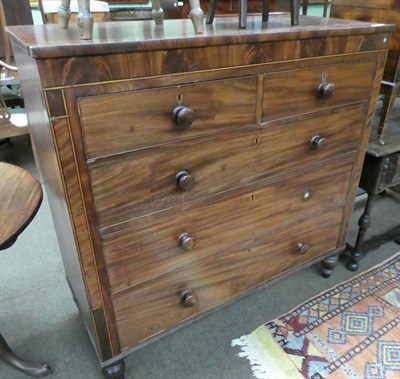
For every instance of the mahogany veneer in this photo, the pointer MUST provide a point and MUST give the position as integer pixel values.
(184, 170)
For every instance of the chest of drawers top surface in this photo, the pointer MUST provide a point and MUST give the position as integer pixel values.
(48, 41)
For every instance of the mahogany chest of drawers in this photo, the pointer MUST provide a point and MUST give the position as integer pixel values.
(184, 170)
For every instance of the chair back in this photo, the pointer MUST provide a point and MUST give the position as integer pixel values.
(13, 12)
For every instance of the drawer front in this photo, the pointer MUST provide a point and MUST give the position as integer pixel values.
(136, 184)
(155, 306)
(120, 122)
(139, 253)
(292, 93)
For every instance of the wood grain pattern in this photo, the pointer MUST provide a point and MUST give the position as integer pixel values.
(137, 184)
(156, 306)
(135, 255)
(20, 199)
(378, 11)
(353, 83)
(145, 117)
(76, 207)
(123, 37)
(66, 71)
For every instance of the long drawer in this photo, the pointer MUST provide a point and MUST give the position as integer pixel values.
(155, 306)
(140, 183)
(296, 92)
(120, 122)
(146, 251)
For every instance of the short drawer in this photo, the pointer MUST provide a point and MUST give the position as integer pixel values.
(146, 251)
(120, 122)
(147, 181)
(155, 306)
(292, 93)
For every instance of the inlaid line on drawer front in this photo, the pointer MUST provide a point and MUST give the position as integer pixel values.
(149, 250)
(126, 121)
(294, 92)
(155, 306)
(139, 183)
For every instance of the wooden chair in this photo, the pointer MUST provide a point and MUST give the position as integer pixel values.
(14, 122)
(13, 13)
(100, 10)
(20, 198)
(294, 12)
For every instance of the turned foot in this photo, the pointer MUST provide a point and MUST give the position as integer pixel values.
(197, 16)
(85, 23)
(115, 371)
(37, 370)
(64, 14)
(157, 13)
(328, 264)
(352, 265)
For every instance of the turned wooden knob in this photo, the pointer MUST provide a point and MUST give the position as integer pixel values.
(188, 298)
(302, 248)
(183, 116)
(318, 143)
(186, 241)
(326, 90)
(184, 180)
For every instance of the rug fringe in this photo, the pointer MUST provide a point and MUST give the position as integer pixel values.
(257, 362)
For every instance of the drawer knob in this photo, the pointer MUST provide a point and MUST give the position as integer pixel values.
(318, 143)
(188, 298)
(184, 180)
(183, 116)
(186, 241)
(302, 248)
(326, 90)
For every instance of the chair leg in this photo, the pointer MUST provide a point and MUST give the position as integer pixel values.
(211, 12)
(326, 4)
(265, 10)
(242, 14)
(37, 370)
(305, 7)
(294, 11)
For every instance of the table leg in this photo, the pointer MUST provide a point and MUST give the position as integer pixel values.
(364, 223)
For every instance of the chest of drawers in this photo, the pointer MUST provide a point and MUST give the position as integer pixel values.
(184, 170)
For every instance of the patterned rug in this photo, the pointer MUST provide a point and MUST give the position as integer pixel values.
(350, 331)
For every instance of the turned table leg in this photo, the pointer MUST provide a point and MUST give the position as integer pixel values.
(115, 371)
(37, 370)
(364, 223)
